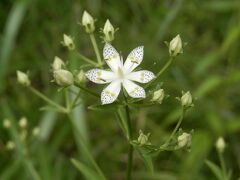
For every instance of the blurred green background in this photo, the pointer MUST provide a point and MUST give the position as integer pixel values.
(31, 32)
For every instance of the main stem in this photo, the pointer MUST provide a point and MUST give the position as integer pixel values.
(223, 166)
(130, 151)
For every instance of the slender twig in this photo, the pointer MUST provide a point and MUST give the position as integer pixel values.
(168, 63)
(87, 59)
(96, 49)
(49, 101)
(223, 166)
(176, 128)
(87, 90)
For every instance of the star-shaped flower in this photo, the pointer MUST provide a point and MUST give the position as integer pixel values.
(121, 74)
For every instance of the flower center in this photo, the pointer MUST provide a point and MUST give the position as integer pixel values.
(120, 73)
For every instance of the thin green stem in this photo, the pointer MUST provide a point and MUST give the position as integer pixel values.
(130, 151)
(32, 170)
(168, 63)
(176, 127)
(96, 49)
(76, 99)
(87, 59)
(87, 90)
(85, 148)
(49, 101)
(223, 166)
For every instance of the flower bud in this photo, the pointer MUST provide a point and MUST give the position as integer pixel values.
(68, 42)
(184, 140)
(88, 22)
(6, 123)
(175, 46)
(63, 77)
(186, 99)
(22, 78)
(108, 32)
(158, 96)
(57, 63)
(35, 131)
(10, 145)
(23, 122)
(80, 78)
(143, 139)
(220, 144)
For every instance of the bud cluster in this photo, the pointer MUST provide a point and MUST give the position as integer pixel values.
(22, 132)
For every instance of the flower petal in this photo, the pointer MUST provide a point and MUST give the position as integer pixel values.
(134, 59)
(100, 76)
(111, 92)
(143, 76)
(112, 57)
(133, 89)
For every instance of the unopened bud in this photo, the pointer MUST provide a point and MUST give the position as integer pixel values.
(88, 22)
(63, 77)
(220, 144)
(108, 32)
(68, 42)
(175, 46)
(35, 131)
(184, 140)
(80, 78)
(57, 63)
(22, 78)
(23, 122)
(10, 145)
(186, 100)
(158, 96)
(6, 123)
(143, 139)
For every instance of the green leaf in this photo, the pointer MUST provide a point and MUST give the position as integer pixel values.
(146, 159)
(215, 169)
(86, 171)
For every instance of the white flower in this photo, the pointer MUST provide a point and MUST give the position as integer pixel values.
(22, 78)
(88, 22)
(121, 74)
(108, 32)
(68, 42)
(186, 99)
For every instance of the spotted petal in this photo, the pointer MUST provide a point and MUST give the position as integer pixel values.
(134, 59)
(133, 89)
(112, 57)
(100, 76)
(111, 92)
(141, 76)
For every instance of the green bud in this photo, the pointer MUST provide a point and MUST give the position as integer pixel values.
(57, 63)
(36, 131)
(63, 77)
(175, 46)
(186, 100)
(88, 22)
(143, 139)
(158, 96)
(108, 32)
(220, 144)
(6, 123)
(23, 122)
(23, 79)
(184, 140)
(80, 78)
(68, 42)
(10, 145)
